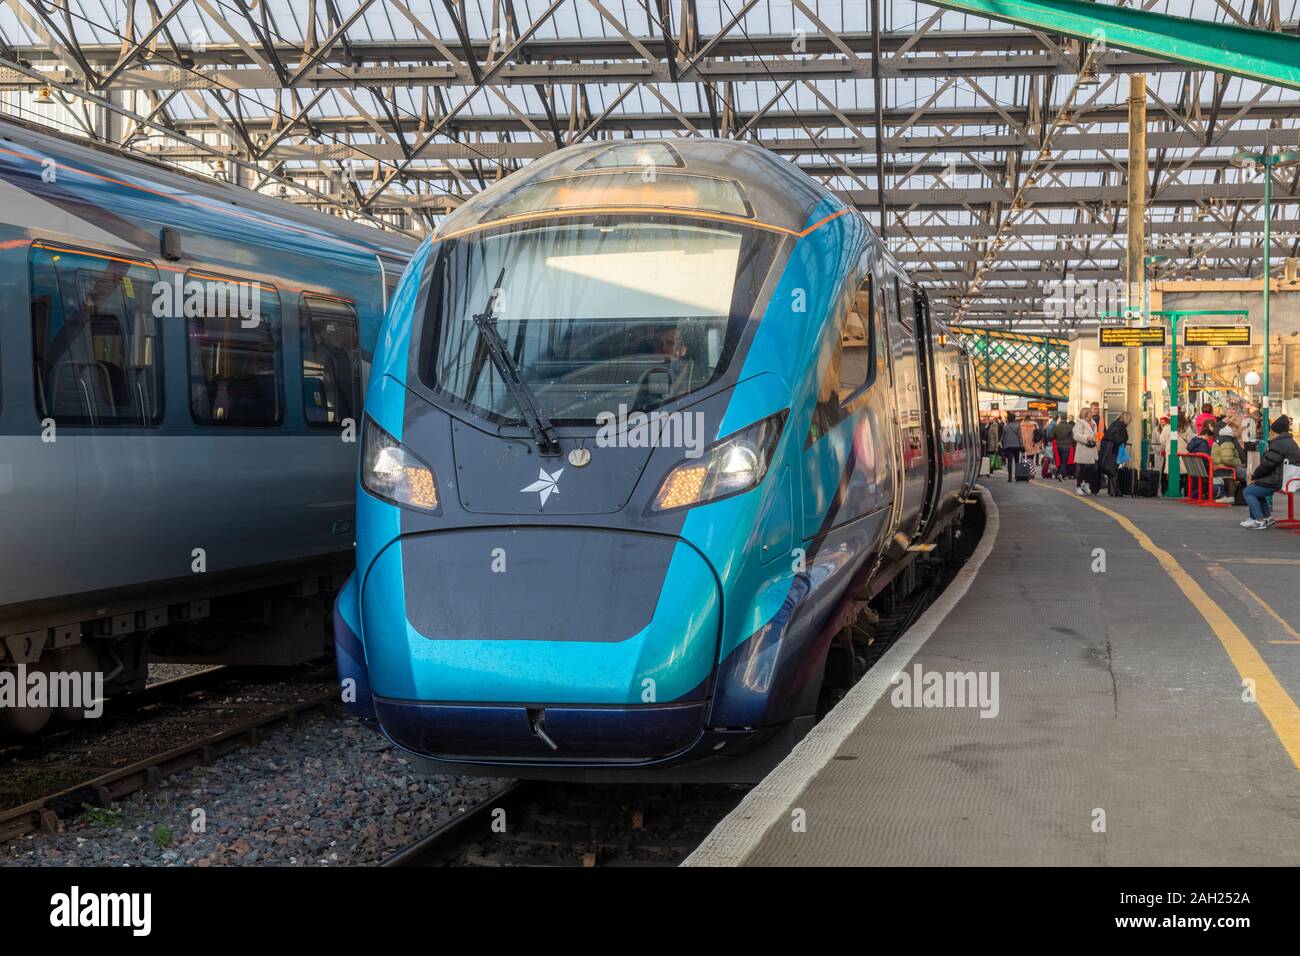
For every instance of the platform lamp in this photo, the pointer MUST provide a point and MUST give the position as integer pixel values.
(1267, 161)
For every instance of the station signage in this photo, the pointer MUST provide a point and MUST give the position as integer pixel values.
(1130, 336)
(1216, 336)
(1041, 406)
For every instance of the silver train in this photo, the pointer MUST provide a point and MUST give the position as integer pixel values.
(181, 371)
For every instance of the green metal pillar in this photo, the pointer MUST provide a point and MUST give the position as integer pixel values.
(1265, 412)
(1171, 453)
(1261, 55)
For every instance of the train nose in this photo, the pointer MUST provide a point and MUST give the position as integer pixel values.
(545, 642)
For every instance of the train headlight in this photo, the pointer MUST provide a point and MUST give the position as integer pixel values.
(727, 467)
(390, 471)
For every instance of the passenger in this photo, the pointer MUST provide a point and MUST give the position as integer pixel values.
(1267, 478)
(1207, 415)
(1115, 438)
(1063, 447)
(1227, 454)
(1160, 445)
(993, 441)
(1085, 451)
(1031, 436)
(1012, 445)
(1202, 442)
(1248, 435)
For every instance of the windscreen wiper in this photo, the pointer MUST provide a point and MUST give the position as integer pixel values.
(548, 442)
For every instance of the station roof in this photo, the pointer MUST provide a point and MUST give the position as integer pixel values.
(397, 111)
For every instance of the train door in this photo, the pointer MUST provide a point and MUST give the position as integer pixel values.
(910, 396)
(846, 457)
(969, 424)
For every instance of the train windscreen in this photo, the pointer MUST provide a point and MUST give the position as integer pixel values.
(594, 314)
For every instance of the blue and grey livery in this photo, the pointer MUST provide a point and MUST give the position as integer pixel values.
(646, 421)
(158, 460)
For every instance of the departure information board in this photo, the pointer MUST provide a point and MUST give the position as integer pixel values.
(1216, 336)
(1130, 336)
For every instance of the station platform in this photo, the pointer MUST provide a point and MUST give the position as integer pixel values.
(1144, 714)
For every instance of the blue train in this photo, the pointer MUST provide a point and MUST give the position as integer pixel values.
(647, 424)
(180, 362)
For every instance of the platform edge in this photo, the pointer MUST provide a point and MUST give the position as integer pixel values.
(740, 832)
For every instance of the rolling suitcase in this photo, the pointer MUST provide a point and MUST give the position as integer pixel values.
(1024, 468)
(1126, 481)
(1148, 483)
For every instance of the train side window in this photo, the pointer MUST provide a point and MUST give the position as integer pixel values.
(331, 374)
(96, 344)
(857, 362)
(233, 328)
(901, 313)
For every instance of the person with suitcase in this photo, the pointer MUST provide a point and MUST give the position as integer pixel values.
(1085, 452)
(1116, 437)
(1012, 446)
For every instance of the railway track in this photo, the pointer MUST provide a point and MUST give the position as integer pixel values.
(535, 823)
(144, 738)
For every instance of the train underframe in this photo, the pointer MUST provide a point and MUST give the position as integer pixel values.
(271, 616)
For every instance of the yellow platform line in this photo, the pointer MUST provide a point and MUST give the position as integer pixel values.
(1275, 703)
(1219, 571)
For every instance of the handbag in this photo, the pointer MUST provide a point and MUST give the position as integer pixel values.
(1290, 473)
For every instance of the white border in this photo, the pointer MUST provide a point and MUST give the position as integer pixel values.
(741, 831)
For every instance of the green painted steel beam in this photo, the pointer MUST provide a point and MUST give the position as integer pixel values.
(1225, 48)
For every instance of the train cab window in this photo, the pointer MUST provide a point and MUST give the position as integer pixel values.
(96, 340)
(233, 328)
(331, 373)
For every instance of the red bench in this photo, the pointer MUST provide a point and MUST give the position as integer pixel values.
(1291, 490)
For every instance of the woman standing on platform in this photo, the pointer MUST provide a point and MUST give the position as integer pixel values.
(1160, 446)
(1085, 452)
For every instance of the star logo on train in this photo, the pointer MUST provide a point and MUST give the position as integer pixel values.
(546, 484)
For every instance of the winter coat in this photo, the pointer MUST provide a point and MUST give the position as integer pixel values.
(1115, 436)
(1084, 432)
(1198, 446)
(1063, 434)
(993, 437)
(1282, 448)
(1011, 437)
(1027, 429)
(1226, 453)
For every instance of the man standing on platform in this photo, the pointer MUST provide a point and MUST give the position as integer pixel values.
(1012, 446)
(1063, 439)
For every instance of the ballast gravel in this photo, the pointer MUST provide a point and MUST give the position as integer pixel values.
(324, 789)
